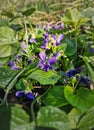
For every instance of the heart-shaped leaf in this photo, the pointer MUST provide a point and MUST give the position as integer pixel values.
(82, 99)
(55, 97)
(44, 78)
(54, 118)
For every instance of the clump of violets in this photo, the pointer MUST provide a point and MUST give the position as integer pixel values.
(58, 26)
(51, 40)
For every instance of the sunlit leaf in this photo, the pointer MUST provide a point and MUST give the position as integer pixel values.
(44, 78)
(53, 117)
(83, 98)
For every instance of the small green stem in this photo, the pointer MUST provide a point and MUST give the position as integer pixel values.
(32, 105)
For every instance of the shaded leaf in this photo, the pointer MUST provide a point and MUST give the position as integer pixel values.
(55, 97)
(6, 75)
(8, 14)
(87, 121)
(14, 118)
(71, 48)
(28, 12)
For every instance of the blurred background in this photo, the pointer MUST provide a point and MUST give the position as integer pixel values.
(46, 10)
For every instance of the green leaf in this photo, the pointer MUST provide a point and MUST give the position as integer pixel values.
(8, 14)
(87, 121)
(54, 118)
(3, 61)
(28, 12)
(13, 118)
(88, 12)
(6, 75)
(73, 15)
(6, 35)
(20, 85)
(74, 117)
(43, 77)
(4, 22)
(5, 51)
(71, 48)
(93, 20)
(55, 97)
(83, 98)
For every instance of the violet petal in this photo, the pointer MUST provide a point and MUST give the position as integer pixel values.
(42, 56)
(30, 95)
(52, 60)
(20, 93)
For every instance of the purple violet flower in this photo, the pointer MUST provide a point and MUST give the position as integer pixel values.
(29, 61)
(52, 60)
(71, 73)
(23, 45)
(60, 26)
(32, 40)
(29, 95)
(46, 64)
(42, 56)
(45, 35)
(84, 80)
(13, 65)
(20, 93)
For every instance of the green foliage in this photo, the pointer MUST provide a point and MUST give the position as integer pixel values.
(87, 121)
(6, 75)
(71, 48)
(81, 98)
(6, 41)
(28, 12)
(89, 13)
(55, 97)
(13, 118)
(44, 78)
(74, 17)
(53, 117)
(74, 116)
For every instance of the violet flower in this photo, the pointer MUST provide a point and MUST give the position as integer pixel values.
(23, 45)
(60, 26)
(29, 95)
(13, 65)
(84, 81)
(71, 73)
(52, 60)
(57, 40)
(32, 40)
(46, 64)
